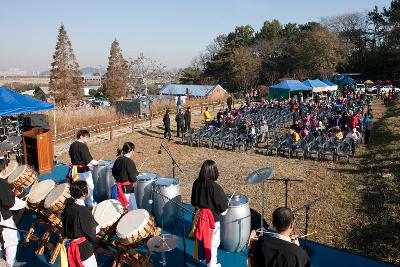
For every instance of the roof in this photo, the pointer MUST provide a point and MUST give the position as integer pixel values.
(327, 82)
(315, 83)
(194, 89)
(291, 85)
(12, 102)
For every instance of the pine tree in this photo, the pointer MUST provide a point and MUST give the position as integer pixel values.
(116, 85)
(65, 77)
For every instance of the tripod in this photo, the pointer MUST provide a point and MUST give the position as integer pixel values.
(174, 163)
(286, 181)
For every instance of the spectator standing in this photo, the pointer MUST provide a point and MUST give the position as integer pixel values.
(207, 117)
(188, 119)
(167, 125)
(179, 122)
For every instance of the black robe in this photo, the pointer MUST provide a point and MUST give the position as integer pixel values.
(78, 222)
(80, 155)
(124, 170)
(208, 194)
(274, 252)
(7, 199)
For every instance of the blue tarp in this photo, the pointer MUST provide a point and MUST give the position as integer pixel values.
(12, 102)
(291, 86)
(315, 83)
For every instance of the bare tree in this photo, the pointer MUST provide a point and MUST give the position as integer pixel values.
(142, 69)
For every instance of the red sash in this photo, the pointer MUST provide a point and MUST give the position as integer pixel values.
(121, 195)
(74, 256)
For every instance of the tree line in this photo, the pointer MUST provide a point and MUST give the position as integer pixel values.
(366, 43)
(120, 79)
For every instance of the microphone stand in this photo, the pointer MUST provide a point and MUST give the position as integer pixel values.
(307, 206)
(183, 211)
(174, 163)
(286, 181)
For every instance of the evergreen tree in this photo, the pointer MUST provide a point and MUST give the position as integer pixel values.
(65, 77)
(116, 84)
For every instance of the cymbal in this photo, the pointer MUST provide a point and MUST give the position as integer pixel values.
(259, 176)
(163, 243)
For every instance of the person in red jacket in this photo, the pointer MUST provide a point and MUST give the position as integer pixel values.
(209, 197)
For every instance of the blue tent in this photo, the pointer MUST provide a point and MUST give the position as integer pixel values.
(12, 102)
(317, 85)
(284, 88)
(329, 83)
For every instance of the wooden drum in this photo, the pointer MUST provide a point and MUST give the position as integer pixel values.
(136, 225)
(55, 200)
(106, 214)
(11, 167)
(39, 192)
(21, 178)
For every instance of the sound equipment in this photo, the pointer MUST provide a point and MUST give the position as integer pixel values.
(36, 120)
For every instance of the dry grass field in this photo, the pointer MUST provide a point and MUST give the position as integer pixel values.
(336, 217)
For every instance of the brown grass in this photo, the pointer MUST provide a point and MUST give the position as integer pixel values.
(334, 217)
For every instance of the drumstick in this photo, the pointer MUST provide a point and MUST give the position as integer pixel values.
(231, 197)
(309, 234)
(142, 165)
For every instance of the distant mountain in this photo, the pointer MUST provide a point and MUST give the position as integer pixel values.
(84, 71)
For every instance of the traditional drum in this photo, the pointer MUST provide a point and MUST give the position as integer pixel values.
(236, 224)
(165, 211)
(55, 200)
(21, 179)
(12, 165)
(103, 180)
(144, 185)
(107, 213)
(136, 225)
(38, 193)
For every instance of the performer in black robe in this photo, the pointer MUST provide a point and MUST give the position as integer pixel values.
(124, 172)
(207, 194)
(8, 238)
(81, 159)
(79, 226)
(281, 248)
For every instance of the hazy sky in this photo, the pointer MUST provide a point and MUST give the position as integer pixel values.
(172, 31)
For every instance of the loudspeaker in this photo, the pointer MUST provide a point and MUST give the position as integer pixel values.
(36, 120)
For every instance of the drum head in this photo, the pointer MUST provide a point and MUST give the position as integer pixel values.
(40, 191)
(237, 200)
(55, 194)
(17, 173)
(107, 212)
(147, 176)
(12, 165)
(166, 182)
(132, 222)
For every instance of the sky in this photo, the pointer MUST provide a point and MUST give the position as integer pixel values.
(171, 31)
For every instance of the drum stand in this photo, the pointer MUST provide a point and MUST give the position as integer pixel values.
(52, 225)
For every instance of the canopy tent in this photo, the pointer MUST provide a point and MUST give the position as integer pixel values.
(12, 102)
(342, 80)
(317, 85)
(333, 87)
(285, 88)
(368, 82)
